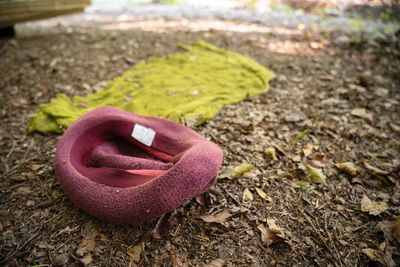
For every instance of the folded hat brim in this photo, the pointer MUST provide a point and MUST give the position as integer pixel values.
(113, 176)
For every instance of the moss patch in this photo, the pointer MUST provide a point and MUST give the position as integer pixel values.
(190, 86)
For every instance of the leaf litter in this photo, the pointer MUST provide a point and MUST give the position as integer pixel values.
(271, 233)
(316, 175)
(373, 207)
(325, 224)
(220, 217)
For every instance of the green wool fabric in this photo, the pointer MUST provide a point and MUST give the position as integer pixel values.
(187, 87)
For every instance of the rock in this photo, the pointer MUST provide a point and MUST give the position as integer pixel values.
(342, 39)
(30, 203)
(295, 117)
(61, 260)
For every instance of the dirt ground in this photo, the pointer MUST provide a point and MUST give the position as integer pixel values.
(328, 104)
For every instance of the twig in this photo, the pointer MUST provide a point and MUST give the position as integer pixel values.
(361, 226)
(331, 241)
(12, 148)
(157, 231)
(232, 197)
(73, 255)
(18, 249)
(321, 238)
(110, 257)
(18, 165)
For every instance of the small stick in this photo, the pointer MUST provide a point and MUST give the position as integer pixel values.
(320, 237)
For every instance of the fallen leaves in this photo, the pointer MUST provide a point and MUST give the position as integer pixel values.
(373, 207)
(263, 195)
(87, 259)
(88, 244)
(271, 233)
(295, 117)
(362, 113)
(337, 205)
(217, 218)
(316, 175)
(135, 252)
(242, 169)
(247, 197)
(161, 226)
(22, 191)
(391, 229)
(308, 150)
(375, 170)
(270, 152)
(382, 255)
(373, 254)
(348, 167)
(239, 170)
(215, 263)
(395, 127)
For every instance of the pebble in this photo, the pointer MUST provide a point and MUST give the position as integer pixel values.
(30, 203)
(295, 117)
(61, 260)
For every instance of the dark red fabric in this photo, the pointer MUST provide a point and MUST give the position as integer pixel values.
(112, 176)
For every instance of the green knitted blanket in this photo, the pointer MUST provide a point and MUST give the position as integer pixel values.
(187, 87)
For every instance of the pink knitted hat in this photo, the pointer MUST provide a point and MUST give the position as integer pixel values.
(125, 168)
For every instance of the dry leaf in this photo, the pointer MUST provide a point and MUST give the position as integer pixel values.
(383, 255)
(88, 244)
(316, 175)
(330, 101)
(348, 168)
(270, 152)
(372, 207)
(178, 261)
(307, 151)
(263, 195)
(296, 158)
(215, 263)
(242, 169)
(22, 191)
(280, 149)
(395, 127)
(135, 252)
(201, 199)
(391, 229)
(161, 227)
(266, 235)
(373, 254)
(362, 113)
(230, 173)
(374, 169)
(226, 173)
(396, 230)
(271, 233)
(217, 218)
(247, 196)
(87, 260)
(295, 117)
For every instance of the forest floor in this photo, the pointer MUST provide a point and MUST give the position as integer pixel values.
(333, 100)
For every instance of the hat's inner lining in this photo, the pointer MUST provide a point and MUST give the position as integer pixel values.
(107, 154)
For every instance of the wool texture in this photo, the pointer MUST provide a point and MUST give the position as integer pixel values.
(114, 177)
(189, 87)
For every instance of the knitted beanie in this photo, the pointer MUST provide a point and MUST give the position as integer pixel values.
(125, 168)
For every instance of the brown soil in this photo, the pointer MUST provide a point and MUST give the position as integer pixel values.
(306, 115)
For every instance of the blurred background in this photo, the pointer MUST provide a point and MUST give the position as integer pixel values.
(15, 11)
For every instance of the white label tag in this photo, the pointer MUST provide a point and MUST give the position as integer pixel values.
(143, 135)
